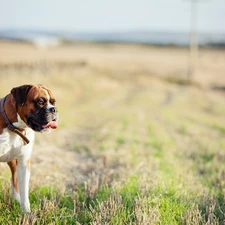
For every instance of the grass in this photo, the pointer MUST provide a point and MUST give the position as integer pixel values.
(145, 151)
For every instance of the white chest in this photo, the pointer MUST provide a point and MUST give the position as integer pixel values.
(12, 145)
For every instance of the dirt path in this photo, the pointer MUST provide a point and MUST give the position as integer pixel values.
(56, 163)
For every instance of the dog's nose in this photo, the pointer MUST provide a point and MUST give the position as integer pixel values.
(53, 109)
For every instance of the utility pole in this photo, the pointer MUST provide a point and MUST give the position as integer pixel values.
(193, 41)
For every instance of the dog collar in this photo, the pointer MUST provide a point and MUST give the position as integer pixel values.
(9, 124)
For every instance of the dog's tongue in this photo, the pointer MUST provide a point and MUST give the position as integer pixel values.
(51, 124)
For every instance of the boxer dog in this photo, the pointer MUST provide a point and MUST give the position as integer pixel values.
(26, 109)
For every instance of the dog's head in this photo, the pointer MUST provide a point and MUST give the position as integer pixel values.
(36, 107)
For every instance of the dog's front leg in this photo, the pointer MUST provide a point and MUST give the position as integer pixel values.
(23, 171)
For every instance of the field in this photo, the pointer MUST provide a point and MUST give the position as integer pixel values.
(136, 142)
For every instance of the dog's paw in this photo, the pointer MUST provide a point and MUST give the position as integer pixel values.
(25, 207)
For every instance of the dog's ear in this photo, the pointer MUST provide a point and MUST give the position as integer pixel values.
(20, 93)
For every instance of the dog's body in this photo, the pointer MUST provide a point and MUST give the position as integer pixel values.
(26, 109)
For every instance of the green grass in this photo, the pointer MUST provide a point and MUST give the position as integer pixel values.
(156, 147)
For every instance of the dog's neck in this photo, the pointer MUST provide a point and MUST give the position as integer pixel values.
(10, 111)
(7, 117)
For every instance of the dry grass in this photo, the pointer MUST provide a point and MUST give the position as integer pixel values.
(134, 145)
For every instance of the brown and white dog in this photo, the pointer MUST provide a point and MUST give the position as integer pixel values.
(26, 109)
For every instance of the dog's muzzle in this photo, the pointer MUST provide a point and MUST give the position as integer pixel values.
(44, 119)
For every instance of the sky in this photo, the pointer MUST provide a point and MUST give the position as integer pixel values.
(114, 15)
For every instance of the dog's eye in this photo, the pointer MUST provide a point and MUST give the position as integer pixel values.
(52, 101)
(41, 102)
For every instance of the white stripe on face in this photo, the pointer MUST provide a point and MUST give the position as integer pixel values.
(49, 105)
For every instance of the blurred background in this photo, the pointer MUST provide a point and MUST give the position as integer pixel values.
(185, 24)
(148, 22)
(139, 85)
